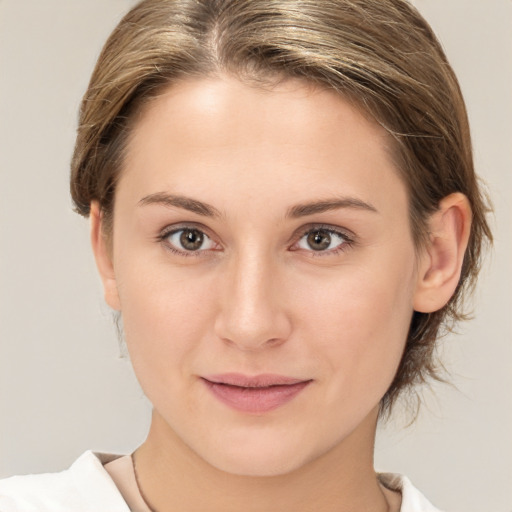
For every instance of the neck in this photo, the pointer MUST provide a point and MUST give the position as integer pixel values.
(172, 477)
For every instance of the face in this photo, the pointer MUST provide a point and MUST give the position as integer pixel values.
(265, 270)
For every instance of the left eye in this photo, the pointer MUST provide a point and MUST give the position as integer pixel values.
(190, 240)
(321, 240)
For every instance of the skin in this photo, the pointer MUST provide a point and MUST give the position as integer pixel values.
(256, 298)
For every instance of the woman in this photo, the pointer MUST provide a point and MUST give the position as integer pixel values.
(285, 213)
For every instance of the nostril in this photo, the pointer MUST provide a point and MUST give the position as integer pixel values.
(274, 341)
(251, 319)
(252, 344)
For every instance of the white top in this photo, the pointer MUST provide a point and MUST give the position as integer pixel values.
(88, 487)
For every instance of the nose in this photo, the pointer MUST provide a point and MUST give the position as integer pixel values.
(252, 312)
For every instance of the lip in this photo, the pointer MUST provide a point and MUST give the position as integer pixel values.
(254, 394)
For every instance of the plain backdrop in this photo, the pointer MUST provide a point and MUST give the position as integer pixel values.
(65, 387)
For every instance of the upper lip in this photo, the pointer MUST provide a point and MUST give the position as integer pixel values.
(255, 381)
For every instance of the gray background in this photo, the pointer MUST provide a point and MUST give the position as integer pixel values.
(64, 387)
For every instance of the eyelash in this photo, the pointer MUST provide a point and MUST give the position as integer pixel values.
(167, 232)
(348, 239)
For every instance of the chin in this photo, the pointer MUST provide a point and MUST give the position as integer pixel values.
(259, 465)
(266, 458)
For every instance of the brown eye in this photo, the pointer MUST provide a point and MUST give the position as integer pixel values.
(189, 240)
(319, 240)
(323, 240)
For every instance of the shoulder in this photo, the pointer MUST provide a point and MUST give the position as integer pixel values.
(84, 487)
(412, 499)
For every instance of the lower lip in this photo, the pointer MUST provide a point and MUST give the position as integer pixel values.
(255, 400)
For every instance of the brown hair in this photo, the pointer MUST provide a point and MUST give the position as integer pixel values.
(379, 53)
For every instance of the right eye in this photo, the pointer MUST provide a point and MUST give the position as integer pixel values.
(188, 240)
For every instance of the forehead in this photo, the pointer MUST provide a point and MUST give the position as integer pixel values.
(229, 102)
(294, 136)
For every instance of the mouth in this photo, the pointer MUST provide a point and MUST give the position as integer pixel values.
(254, 394)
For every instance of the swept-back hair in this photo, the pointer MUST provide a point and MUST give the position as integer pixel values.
(380, 54)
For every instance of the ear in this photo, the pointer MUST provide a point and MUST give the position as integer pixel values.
(441, 262)
(103, 257)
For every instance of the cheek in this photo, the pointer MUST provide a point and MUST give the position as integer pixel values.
(165, 316)
(358, 325)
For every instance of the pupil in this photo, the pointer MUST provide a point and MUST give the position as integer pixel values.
(191, 239)
(319, 240)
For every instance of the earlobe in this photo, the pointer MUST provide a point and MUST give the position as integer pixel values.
(441, 262)
(103, 257)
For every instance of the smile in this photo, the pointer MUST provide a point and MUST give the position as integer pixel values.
(258, 394)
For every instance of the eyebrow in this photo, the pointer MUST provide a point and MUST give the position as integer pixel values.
(297, 211)
(302, 210)
(187, 203)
